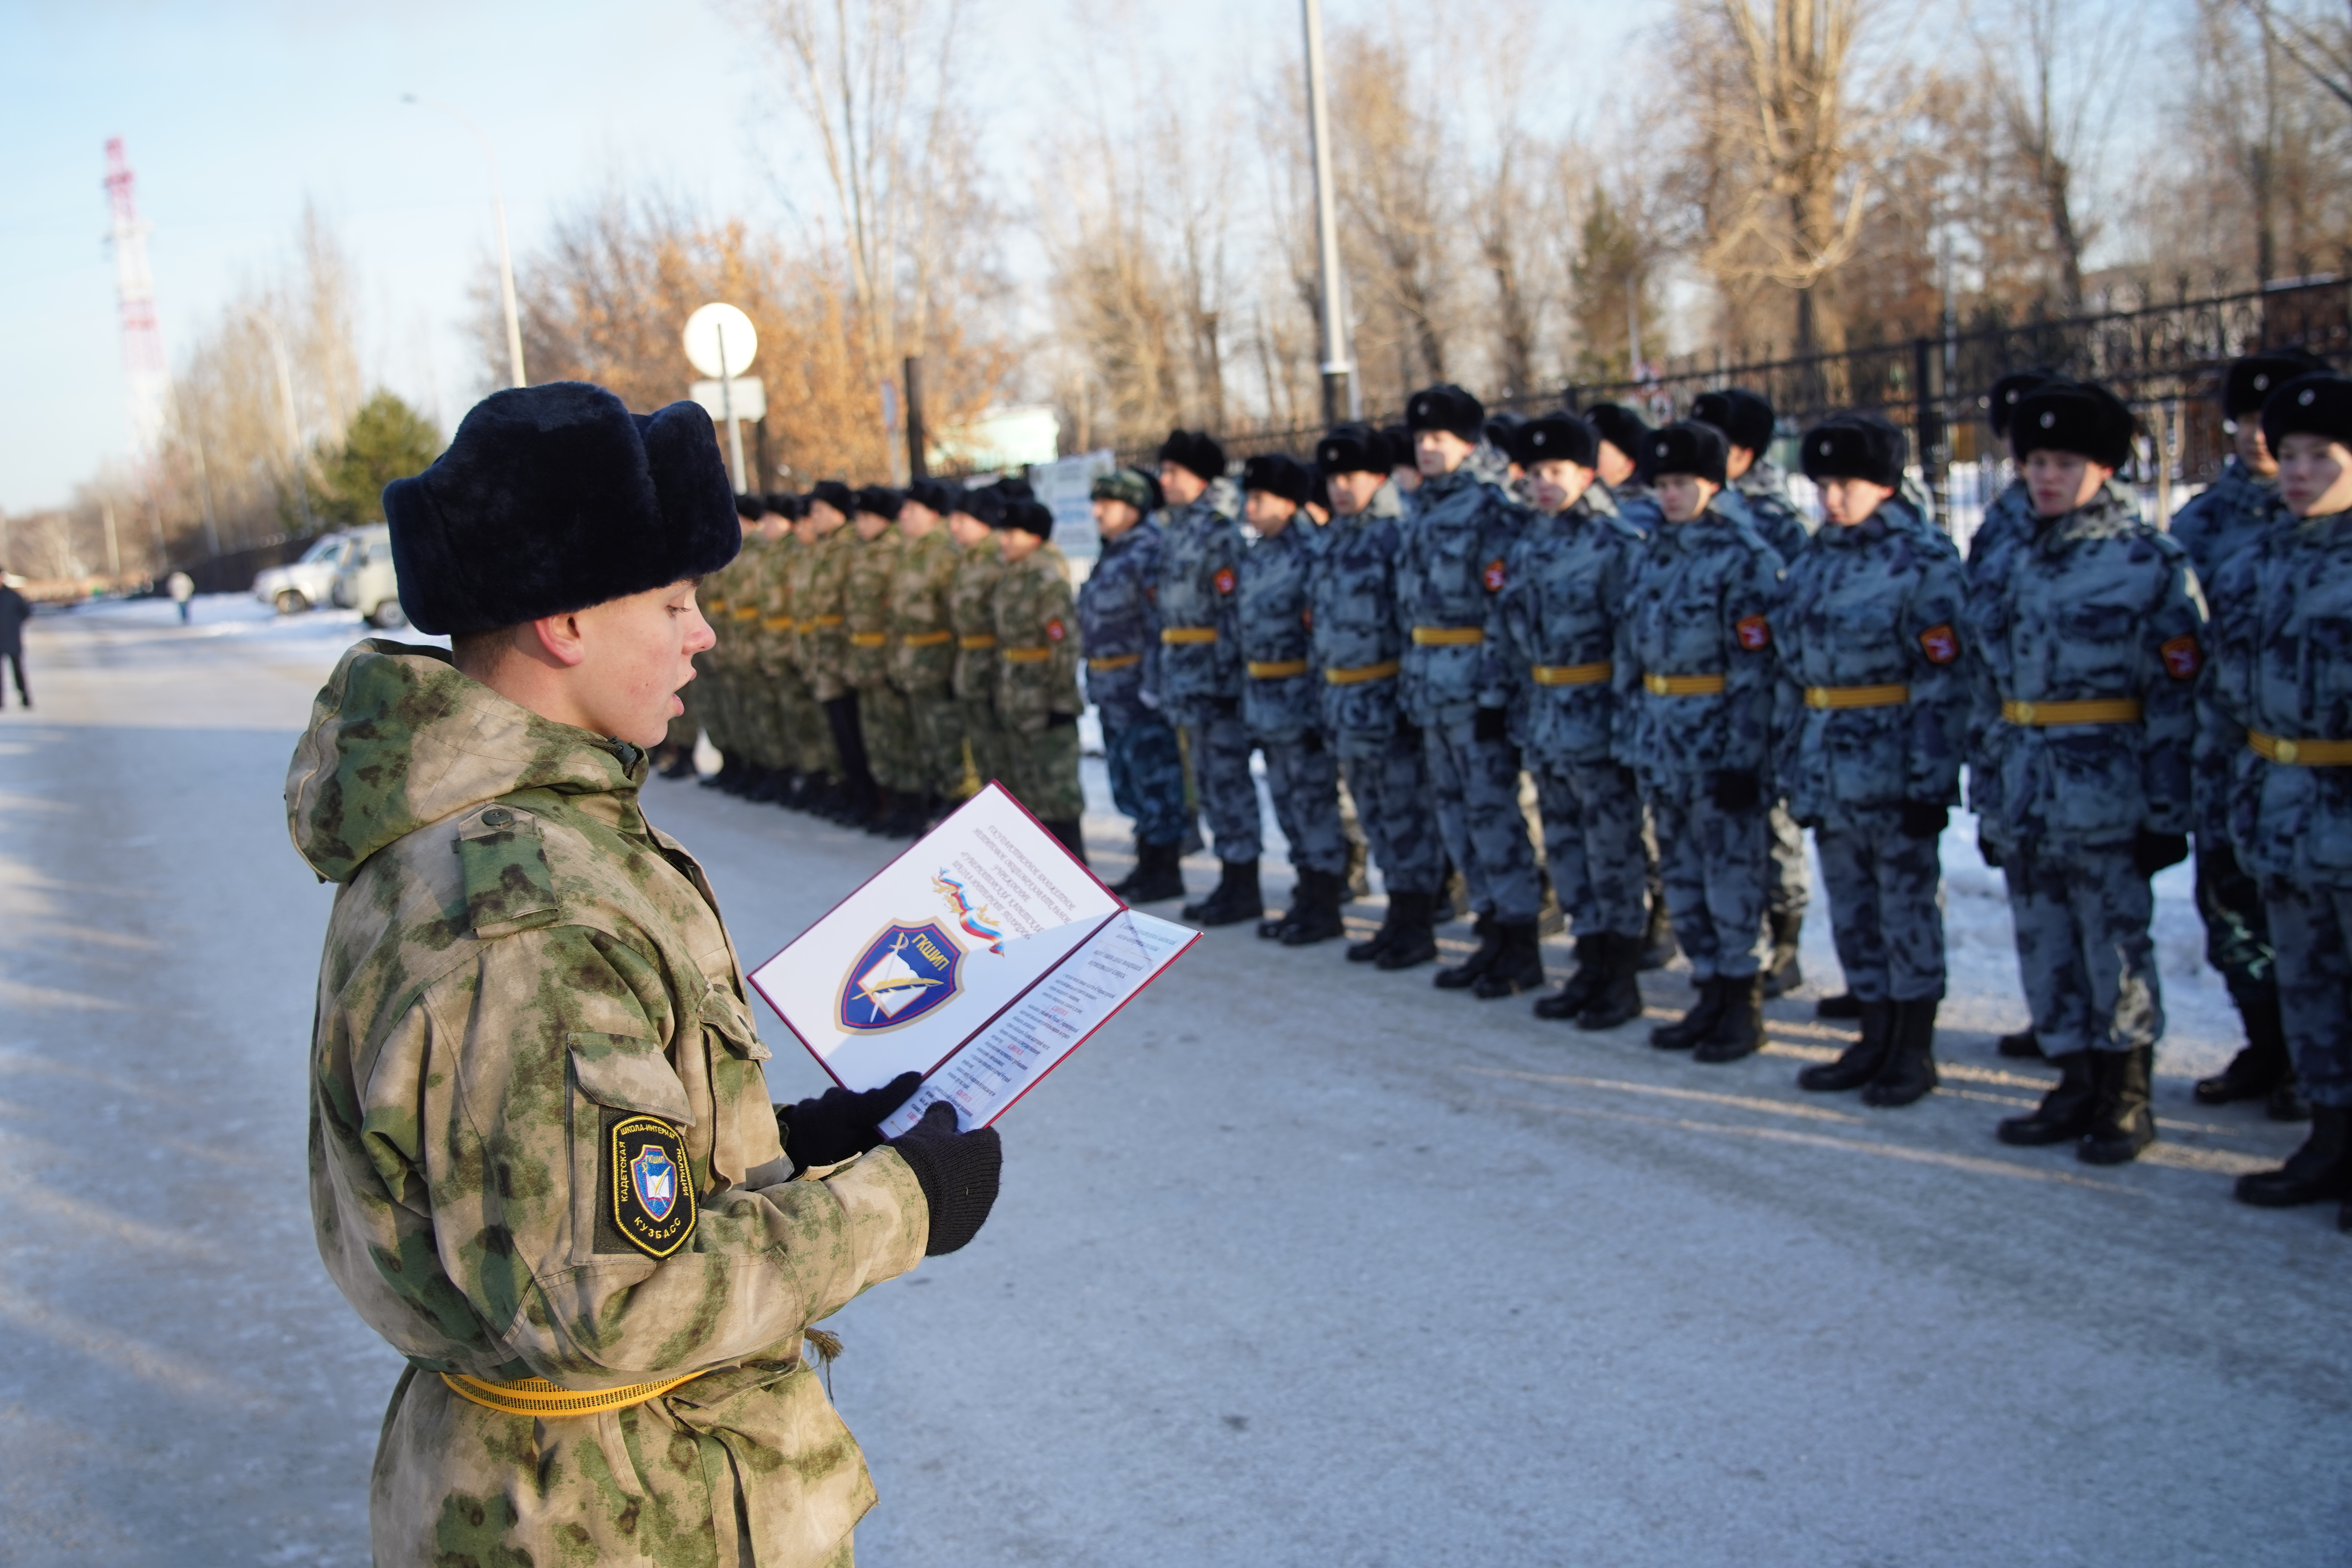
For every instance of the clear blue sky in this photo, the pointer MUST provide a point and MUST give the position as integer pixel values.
(236, 114)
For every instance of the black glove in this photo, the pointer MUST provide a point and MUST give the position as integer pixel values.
(1491, 724)
(957, 1171)
(1924, 818)
(1736, 789)
(840, 1123)
(2152, 852)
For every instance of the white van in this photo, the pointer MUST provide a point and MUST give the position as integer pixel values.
(306, 584)
(366, 582)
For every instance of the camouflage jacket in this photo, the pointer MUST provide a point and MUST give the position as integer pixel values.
(819, 635)
(1880, 604)
(866, 601)
(2094, 606)
(1700, 605)
(1357, 633)
(1122, 634)
(2224, 518)
(767, 630)
(2280, 647)
(922, 630)
(1282, 698)
(716, 598)
(1037, 642)
(1453, 563)
(542, 1145)
(1555, 629)
(1763, 491)
(747, 606)
(971, 610)
(2008, 518)
(1200, 572)
(1635, 504)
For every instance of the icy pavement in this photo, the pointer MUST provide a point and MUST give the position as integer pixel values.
(1296, 1264)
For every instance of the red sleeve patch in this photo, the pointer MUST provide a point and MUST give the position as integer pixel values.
(1755, 632)
(1053, 632)
(1306, 617)
(1493, 575)
(1941, 644)
(1224, 580)
(2182, 657)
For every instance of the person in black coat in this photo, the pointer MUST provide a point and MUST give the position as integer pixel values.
(15, 610)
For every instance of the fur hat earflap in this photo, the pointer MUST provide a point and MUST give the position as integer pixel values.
(1446, 406)
(2319, 404)
(1555, 438)
(2080, 417)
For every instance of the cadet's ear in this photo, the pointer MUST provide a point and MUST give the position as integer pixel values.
(560, 636)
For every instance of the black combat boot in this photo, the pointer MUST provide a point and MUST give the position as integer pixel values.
(2064, 1112)
(1518, 962)
(1235, 899)
(2264, 1067)
(2022, 1045)
(1464, 974)
(1411, 931)
(1617, 995)
(2320, 1170)
(2121, 1122)
(1714, 996)
(1065, 829)
(1909, 1070)
(1844, 1004)
(680, 764)
(1124, 883)
(1782, 973)
(1156, 876)
(736, 776)
(1739, 1031)
(1576, 991)
(1372, 946)
(1314, 912)
(1658, 948)
(1859, 1062)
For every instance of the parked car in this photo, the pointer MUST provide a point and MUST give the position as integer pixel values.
(308, 583)
(366, 582)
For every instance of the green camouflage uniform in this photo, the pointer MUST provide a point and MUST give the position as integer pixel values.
(807, 747)
(716, 698)
(881, 711)
(821, 645)
(971, 611)
(923, 658)
(521, 977)
(763, 731)
(1037, 701)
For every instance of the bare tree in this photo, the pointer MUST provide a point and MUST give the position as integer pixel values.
(2053, 70)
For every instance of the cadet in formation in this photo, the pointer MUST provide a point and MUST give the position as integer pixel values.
(1359, 644)
(545, 1164)
(1697, 633)
(972, 612)
(1122, 639)
(2085, 636)
(875, 549)
(1453, 561)
(1555, 629)
(821, 640)
(1282, 695)
(1037, 651)
(1871, 717)
(2274, 762)
(923, 652)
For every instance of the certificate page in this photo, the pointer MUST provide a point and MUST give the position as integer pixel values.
(942, 939)
(1029, 1038)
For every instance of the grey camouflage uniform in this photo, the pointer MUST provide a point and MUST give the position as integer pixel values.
(1881, 604)
(1122, 638)
(2091, 607)
(1200, 680)
(1281, 701)
(1763, 491)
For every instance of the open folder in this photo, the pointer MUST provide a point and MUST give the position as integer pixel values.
(980, 957)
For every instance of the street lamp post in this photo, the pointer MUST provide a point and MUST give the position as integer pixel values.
(498, 205)
(1341, 397)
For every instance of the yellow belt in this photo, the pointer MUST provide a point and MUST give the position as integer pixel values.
(1572, 674)
(1684, 685)
(1276, 669)
(927, 639)
(778, 623)
(1188, 633)
(713, 605)
(868, 640)
(1448, 637)
(976, 642)
(1363, 673)
(2302, 753)
(745, 612)
(1114, 661)
(535, 1396)
(823, 621)
(1029, 654)
(2100, 710)
(1856, 696)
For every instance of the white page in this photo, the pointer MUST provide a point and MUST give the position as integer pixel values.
(1007, 1058)
(979, 909)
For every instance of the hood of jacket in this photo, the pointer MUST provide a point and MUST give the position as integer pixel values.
(398, 740)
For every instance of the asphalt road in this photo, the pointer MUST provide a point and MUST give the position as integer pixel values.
(1295, 1264)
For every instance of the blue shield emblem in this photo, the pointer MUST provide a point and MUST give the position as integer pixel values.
(903, 973)
(655, 1175)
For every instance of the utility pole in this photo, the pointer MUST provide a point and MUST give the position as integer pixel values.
(497, 206)
(1341, 397)
(917, 465)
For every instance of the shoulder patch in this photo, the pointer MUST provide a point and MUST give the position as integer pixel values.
(1054, 631)
(1494, 575)
(1941, 644)
(1755, 632)
(651, 1183)
(1224, 580)
(508, 885)
(2182, 657)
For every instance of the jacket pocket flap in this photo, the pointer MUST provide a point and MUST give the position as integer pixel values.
(629, 1074)
(725, 1012)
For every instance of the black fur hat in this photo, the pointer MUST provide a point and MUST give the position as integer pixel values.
(2315, 405)
(932, 494)
(1030, 517)
(881, 501)
(555, 498)
(1403, 452)
(1854, 447)
(2082, 417)
(1353, 448)
(2001, 401)
(1500, 426)
(1618, 426)
(1195, 450)
(837, 495)
(986, 503)
(2253, 379)
(787, 503)
(1446, 406)
(1555, 438)
(1744, 416)
(751, 505)
(1278, 474)
(1686, 447)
